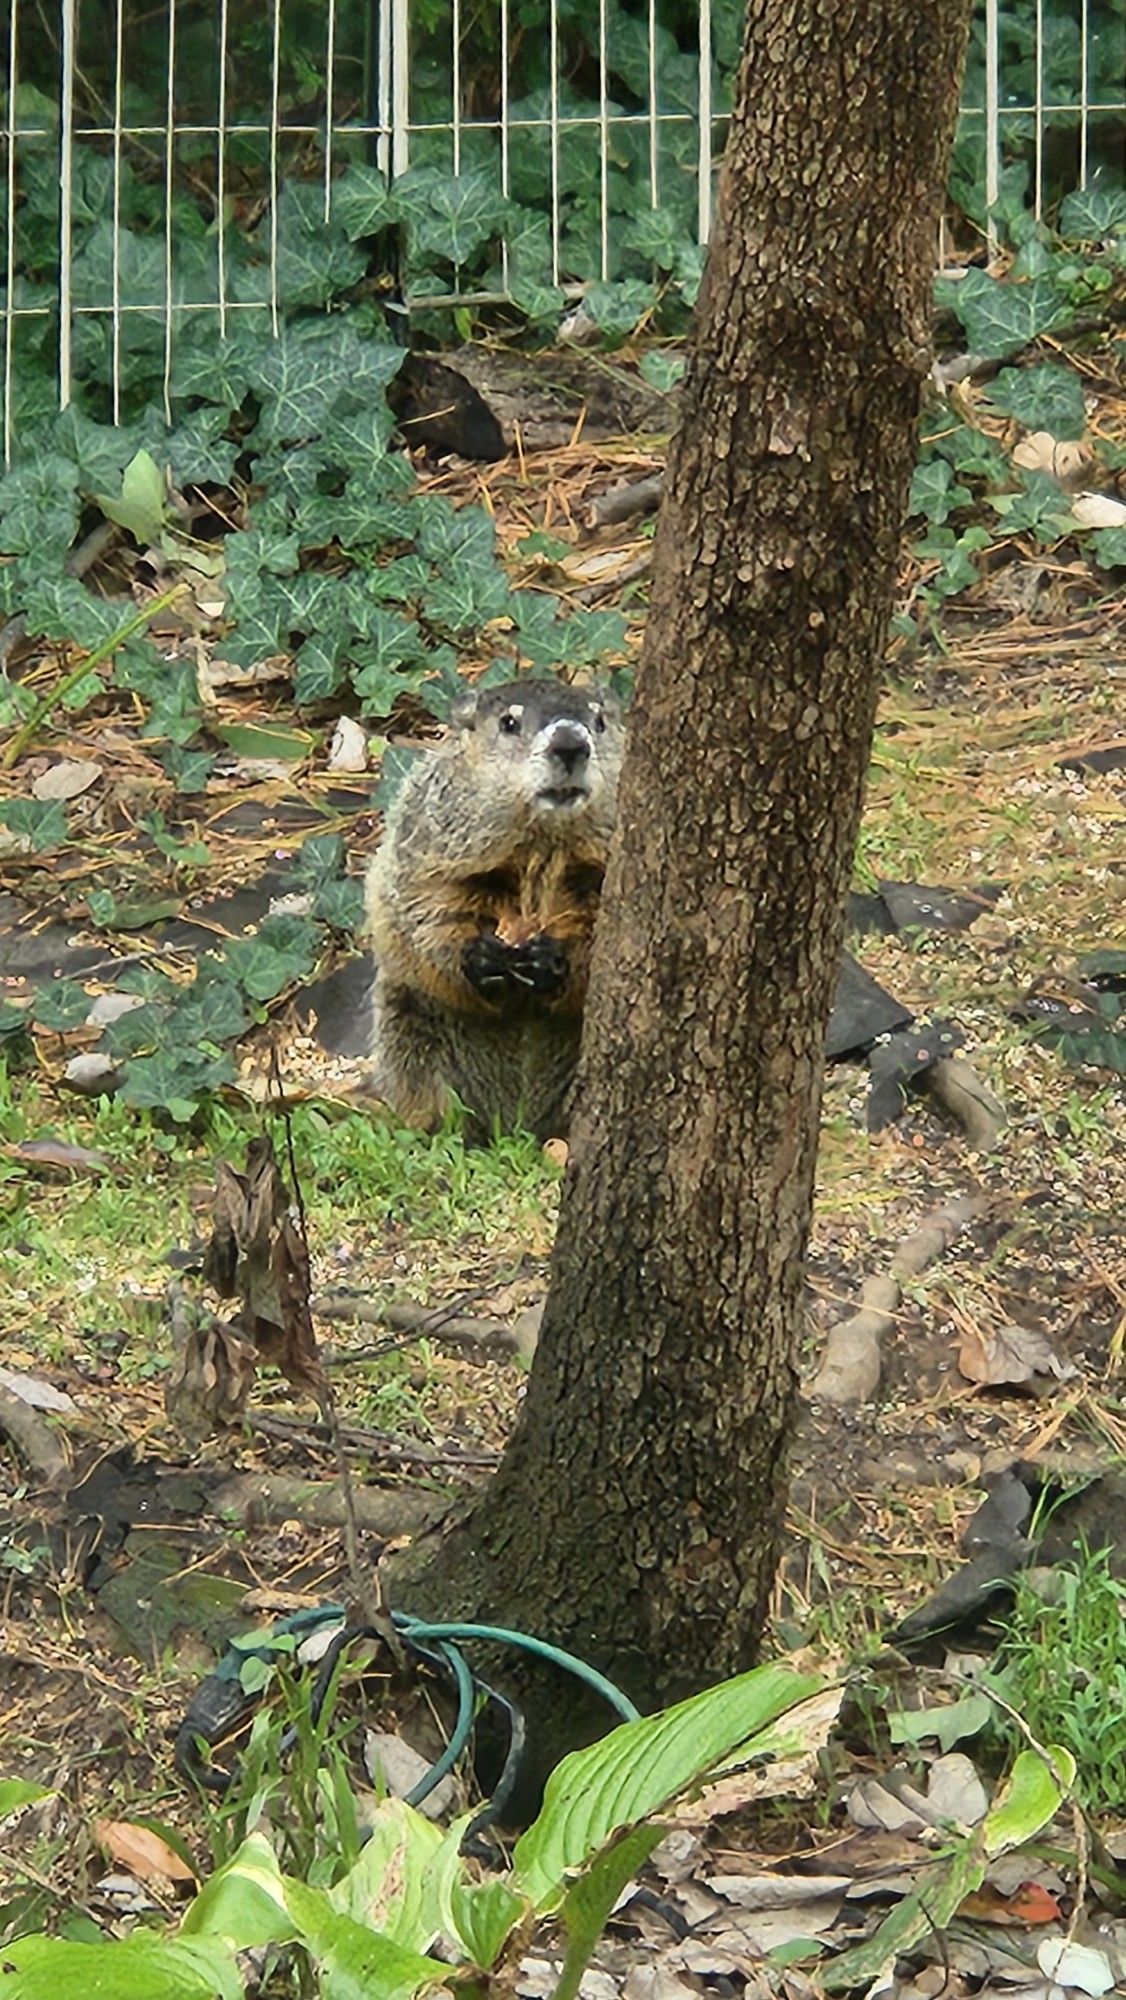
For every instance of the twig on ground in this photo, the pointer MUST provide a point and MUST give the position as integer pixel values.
(621, 503)
(381, 1444)
(488, 1336)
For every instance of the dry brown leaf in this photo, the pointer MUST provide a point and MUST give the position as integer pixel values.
(1041, 452)
(57, 1153)
(66, 780)
(1010, 1356)
(143, 1852)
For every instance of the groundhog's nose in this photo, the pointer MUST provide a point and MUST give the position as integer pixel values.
(570, 743)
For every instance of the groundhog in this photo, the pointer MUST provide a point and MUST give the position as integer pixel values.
(481, 904)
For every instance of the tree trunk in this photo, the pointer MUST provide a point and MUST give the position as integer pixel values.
(636, 1514)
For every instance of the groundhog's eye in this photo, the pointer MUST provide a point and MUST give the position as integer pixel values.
(510, 722)
(599, 721)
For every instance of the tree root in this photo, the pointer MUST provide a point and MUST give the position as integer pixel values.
(621, 503)
(268, 1500)
(960, 1092)
(491, 1337)
(850, 1366)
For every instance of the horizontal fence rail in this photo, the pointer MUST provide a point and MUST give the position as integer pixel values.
(228, 158)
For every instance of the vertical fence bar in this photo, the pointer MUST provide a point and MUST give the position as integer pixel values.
(603, 148)
(704, 191)
(553, 133)
(1084, 87)
(66, 185)
(400, 87)
(654, 154)
(275, 174)
(169, 191)
(1038, 171)
(379, 99)
(504, 160)
(221, 172)
(330, 102)
(992, 124)
(455, 80)
(10, 234)
(115, 249)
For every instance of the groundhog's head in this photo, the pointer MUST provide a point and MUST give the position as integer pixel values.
(555, 750)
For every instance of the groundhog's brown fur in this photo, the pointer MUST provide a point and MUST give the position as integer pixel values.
(481, 905)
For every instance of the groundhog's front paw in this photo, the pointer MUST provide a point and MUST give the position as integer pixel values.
(487, 964)
(541, 966)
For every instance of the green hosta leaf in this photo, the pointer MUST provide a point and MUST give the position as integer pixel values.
(395, 1887)
(142, 505)
(39, 508)
(42, 822)
(935, 493)
(356, 1962)
(662, 369)
(1041, 509)
(1092, 214)
(13, 1022)
(243, 1903)
(277, 741)
(589, 1901)
(950, 1879)
(132, 1968)
(999, 317)
(60, 1005)
(1030, 1800)
(618, 308)
(362, 202)
(484, 1915)
(1046, 397)
(641, 1767)
(1109, 545)
(284, 951)
(449, 217)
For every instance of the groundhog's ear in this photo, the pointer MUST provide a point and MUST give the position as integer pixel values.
(463, 711)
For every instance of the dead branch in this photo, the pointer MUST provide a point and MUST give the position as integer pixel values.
(850, 1366)
(35, 1441)
(491, 1337)
(621, 503)
(267, 1500)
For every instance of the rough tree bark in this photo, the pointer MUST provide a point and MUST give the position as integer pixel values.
(636, 1513)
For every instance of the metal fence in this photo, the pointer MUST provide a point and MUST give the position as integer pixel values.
(581, 113)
